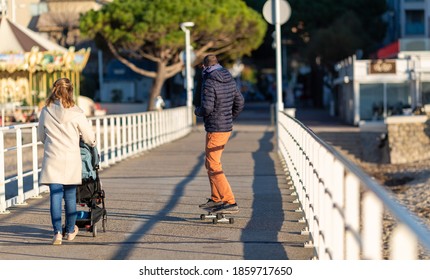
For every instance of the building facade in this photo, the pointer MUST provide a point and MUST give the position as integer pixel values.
(397, 81)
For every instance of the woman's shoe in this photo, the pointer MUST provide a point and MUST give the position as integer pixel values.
(71, 236)
(58, 238)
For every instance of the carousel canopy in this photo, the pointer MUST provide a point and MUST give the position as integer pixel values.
(18, 39)
(24, 50)
(30, 63)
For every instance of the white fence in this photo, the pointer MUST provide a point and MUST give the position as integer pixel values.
(118, 137)
(344, 208)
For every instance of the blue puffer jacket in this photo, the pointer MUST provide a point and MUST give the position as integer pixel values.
(221, 100)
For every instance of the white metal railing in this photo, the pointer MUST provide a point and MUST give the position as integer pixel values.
(118, 137)
(343, 206)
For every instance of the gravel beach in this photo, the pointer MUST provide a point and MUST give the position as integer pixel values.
(409, 183)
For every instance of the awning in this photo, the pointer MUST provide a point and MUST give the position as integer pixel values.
(389, 51)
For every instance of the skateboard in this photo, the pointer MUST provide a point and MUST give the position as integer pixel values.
(216, 217)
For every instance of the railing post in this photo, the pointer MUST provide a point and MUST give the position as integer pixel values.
(151, 133)
(157, 129)
(327, 221)
(20, 198)
(404, 244)
(165, 126)
(98, 136)
(338, 209)
(105, 143)
(145, 131)
(2, 177)
(352, 217)
(129, 135)
(112, 140)
(138, 132)
(372, 227)
(319, 204)
(170, 125)
(118, 138)
(35, 161)
(124, 137)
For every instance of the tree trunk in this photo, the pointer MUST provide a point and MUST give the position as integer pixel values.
(157, 85)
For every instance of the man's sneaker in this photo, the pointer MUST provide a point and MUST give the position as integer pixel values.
(226, 209)
(71, 236)
(210, 204)
(58, 238)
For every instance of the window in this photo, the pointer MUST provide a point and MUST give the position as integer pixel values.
(425, 86)
(373, 105)
(36, 9)
(414, 24)
(371, 101)
(398, 98)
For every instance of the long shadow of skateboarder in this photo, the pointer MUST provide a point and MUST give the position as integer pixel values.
(260, 235)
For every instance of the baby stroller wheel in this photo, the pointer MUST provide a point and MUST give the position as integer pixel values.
(104, 222)
(94, 230)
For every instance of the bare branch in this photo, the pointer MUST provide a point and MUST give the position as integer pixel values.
(223, 49)
(129, 64)
(140, 54)
(173, 69)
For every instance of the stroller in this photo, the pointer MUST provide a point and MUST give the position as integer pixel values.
(90, 193)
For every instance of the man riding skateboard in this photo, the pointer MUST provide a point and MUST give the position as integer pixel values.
(221, 103)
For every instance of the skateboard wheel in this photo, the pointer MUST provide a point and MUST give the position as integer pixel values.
(214, 221)
(231, 220)
(202, 217)
(219, 216)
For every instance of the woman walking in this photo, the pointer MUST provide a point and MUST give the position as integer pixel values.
(61, 125)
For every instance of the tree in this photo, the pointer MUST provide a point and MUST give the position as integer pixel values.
(321, 33)
(340, 40)
(332, 30)
(150, 29)
(61, 21)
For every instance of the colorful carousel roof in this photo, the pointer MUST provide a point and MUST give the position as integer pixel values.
(24, 50)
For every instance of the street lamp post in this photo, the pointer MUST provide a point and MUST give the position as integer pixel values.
(3, 8)
(189, 84)
(276, 9)
(272, 13)
(414, 72)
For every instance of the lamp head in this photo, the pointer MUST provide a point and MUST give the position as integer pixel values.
(186, 25)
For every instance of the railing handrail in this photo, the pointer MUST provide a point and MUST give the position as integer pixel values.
(118, 137)
(402, 215)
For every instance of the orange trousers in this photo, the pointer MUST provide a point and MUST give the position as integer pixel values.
(220, 187)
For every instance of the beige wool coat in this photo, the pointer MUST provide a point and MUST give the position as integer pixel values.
(60, 130)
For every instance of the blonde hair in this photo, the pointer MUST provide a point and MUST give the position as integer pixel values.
(62, 90)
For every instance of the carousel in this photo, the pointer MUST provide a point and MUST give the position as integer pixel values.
(29, 65)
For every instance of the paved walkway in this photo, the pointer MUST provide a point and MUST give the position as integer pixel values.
(152, 201)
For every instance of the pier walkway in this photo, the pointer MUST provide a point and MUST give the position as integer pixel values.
(152, 204)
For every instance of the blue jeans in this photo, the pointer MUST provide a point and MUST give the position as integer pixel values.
(57, 193)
